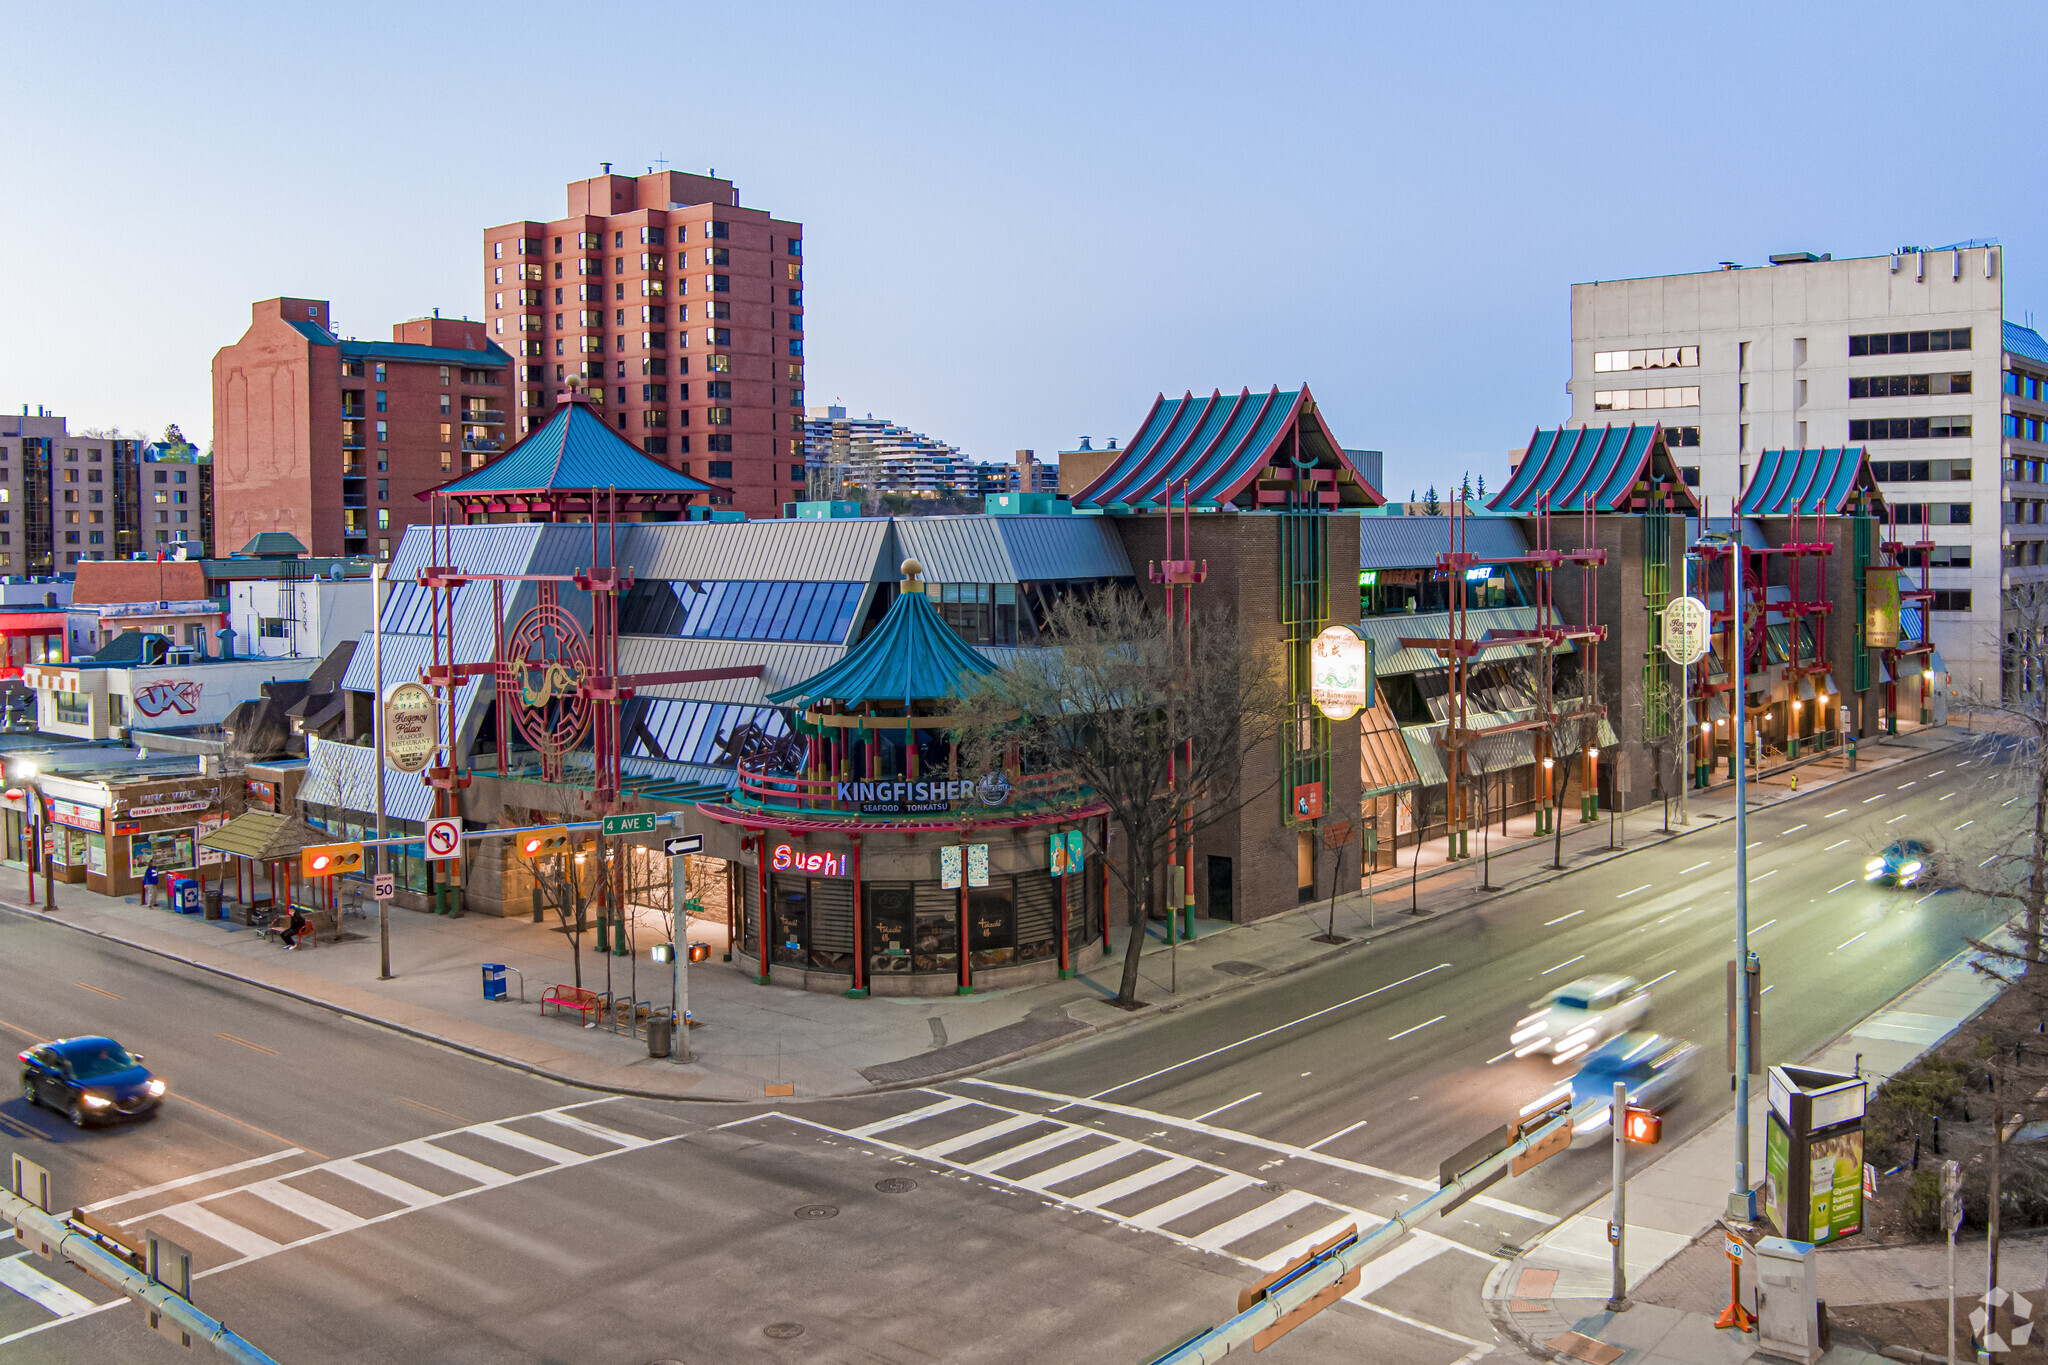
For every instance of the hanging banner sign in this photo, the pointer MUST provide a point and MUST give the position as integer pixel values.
(1067, 852)
(77, 816)
(1341, 672)
(1686, 623)
(411, 727)
(1880, 608)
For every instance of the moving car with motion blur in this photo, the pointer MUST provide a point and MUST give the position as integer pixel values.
(1577, 1017)
(1654, 1066)
(87, 1079)
(1905, 863)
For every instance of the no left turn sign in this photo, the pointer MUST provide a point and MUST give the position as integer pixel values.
(444, 837)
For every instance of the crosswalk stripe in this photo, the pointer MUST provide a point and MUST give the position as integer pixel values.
(1200, 1197)
(1080, 1165)
(450, 1161)
(32, 1284)
(1383, 1269)
(1274, 1260)
(1131, 1184)
(598, 1131)
(390, 1186)
(207, 1223)
(1245, 1224)
(981, 1135)
(306, 1206)
(532, 1146)
(1024, 1151)
(951, 1102)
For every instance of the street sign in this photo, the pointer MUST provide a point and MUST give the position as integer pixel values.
(1686, 623)
(680, 844)
(384, 886)
(1476, 1152)
(444, 837)
(643, 823)
(411, 727)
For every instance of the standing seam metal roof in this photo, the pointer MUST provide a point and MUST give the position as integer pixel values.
(1807, 482)
(1218, 445)
(574, 449)
(1415, 542)
(847, 550)
(1596, 467)
(1012, 549)
(2025, 341)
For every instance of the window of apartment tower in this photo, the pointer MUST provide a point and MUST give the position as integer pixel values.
(444, 402)
(721, 469)
(160, 477)
(71, 454)
(71, 476)
(178, 476)
(93, 475)
(447, 460)
(379, 374)
(383, 490)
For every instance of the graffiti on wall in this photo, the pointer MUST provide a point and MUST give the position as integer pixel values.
(177, 694)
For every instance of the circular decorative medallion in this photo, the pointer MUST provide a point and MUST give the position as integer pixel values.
(540, 686)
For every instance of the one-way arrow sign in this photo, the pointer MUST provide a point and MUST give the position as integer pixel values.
(681, 844)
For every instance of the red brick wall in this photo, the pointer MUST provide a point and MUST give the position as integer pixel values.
(276, 421)
(114, 580)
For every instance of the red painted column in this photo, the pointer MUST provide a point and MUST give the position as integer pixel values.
(761, 860)
(860, 955)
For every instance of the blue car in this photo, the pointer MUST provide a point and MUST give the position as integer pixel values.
(87, 1079)
(1653, 1065)
(1905, 863)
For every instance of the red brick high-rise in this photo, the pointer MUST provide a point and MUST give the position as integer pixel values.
(681, 314)
(333, 440)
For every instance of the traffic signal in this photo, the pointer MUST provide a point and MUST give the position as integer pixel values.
(325, 860)
(542, 843)
(1643, 1127)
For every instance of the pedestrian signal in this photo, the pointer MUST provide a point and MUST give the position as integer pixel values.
(1644, 1127)
(542, 843)
(325, 860)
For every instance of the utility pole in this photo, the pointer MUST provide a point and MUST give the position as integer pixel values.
(1685, 701)
(1742, 1199)
(377, 744)
(1617, 1298)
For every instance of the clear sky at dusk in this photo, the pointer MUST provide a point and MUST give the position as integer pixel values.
(1022, 221)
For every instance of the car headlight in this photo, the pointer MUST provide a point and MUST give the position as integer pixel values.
(1873, 874)
(1910, 869)
(1874, 865)
(155, 1087)
(96, 1101)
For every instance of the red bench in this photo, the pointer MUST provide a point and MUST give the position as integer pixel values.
(571, 998)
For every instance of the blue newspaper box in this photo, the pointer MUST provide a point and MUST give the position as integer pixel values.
(494, 981)
(186, 897)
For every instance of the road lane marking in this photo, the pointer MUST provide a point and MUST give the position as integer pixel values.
(1758, 844)
(1566, 963)
(2003, 804)
(1937, 772)
(253, 1047)
(1654, 980)
(1232, 1105)
(318, 1212)
(1914, 782)
(233, 1236)
(1840, 946)
(430, 1109)
(1417, 1029)
(1352, 1129)
(1868, 799)
(1833, 813)
(185, 1180)
(32, 1284)
(1696, 867)
(1930, 895)
(1832, 890)
(1989, 861)
(1945, 798)
(1895, 819)
(1491, 1060)
(1378, 990)
(1965, 825)
(390, 1186)
(85, 986)
(1832, 847)
(532, 1146)
(1561, 918)
(1626, 894)
(1765, 925)
(219, 1114)
(454, 1162)
(1794, 830)
(946, 1104)
(1761, 875)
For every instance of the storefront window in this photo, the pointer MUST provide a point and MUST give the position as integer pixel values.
(163, 850)
(992, 925)
(73, 709)
(788, 920)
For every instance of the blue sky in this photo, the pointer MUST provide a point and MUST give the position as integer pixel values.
(1022, 221)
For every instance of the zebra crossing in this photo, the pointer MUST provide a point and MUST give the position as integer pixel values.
(313, 1202)
(1144, 1183)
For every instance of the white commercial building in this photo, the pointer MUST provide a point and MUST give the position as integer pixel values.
(102, 701)
(287, 619)
(1908, 355)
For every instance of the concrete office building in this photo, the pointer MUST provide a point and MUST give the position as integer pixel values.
(1908, 355)
(678, 311)
(66, 498)
(332, 441)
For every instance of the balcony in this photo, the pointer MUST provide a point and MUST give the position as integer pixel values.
(483, 444)
(357, 411)
(350, 442)
(485, 416)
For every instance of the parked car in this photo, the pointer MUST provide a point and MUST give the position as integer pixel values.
(1653, 1066)
(1907, 862)
(89, 1078)
(1579, 1016)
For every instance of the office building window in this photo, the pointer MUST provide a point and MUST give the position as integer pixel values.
(1951, 599)
(1905, 343)
(1908, 385)
(1934, 513)
(721, 469)
(1919, 471)
(1908, 428)
(1655, 358)
(1940, 557)
(1606, 400)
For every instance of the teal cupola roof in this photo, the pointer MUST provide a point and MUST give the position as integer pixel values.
(912, 655)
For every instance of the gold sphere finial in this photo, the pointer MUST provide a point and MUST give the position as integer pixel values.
(913, 576)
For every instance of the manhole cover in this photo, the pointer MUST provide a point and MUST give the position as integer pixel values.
(1238, 968)
(783, 1331)
(896, 1184)
(815, 1211)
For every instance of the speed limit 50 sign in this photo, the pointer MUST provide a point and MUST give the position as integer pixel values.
(444, 838)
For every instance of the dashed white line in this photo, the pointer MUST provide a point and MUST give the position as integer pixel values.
(1654, 980)
(1760, 876)
(1561, 918)
(1833, 813)
(1945, 798)
(1833, 889)
(1914, 782)
(1868, 799)
(1232, 1105)
(1895, 819)
(1352, 1129)
(1840, 946)
(1417, 1029)
(1832, 847)
(1491, 1060)
(1566, 963)
(1794, 830)
(1758, 844)
(1696, 867)
(1930, 895)
(1626, 894)
(1966, 824)
(1937, 772)
(1759, 928)
(1989, 861)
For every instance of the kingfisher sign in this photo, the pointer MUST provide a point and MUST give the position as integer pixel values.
(901, 798)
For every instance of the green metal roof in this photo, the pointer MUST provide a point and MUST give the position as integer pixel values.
(1809, 482)
(492, 357)
(272, 543)
(574, 450)
(912, 655)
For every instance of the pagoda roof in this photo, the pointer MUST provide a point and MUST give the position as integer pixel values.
(1600, 469)
(574, 451)
(1830, 481)
(912, 655)
(1213, 451)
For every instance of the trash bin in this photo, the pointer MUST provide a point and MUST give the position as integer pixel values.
(660, 1034)
(213, 909)
(185, 898)
(494, 981)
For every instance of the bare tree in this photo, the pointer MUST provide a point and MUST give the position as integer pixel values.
(569, 884)
(1569, 709)
(1115, 705)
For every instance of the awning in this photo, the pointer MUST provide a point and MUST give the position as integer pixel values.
(263, 837)
(1934, 661)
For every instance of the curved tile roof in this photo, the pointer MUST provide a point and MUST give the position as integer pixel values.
(1578, 468)
(912, 655)
(1809, 482)
(576, 450)
(1217, 446)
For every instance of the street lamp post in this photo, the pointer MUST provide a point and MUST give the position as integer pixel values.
(377, 760)
(27, 773)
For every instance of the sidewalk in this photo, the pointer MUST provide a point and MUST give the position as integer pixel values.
(1551, 1300)
(753, 1037)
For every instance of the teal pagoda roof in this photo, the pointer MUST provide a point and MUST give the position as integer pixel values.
(570, 460)
(1833, 481)
(1602, 469)
(913, 655)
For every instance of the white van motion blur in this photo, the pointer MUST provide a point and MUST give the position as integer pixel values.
(1574, 1018)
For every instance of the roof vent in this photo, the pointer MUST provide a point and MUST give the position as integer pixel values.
(1799, 258)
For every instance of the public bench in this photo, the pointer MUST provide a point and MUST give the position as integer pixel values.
(572, 998)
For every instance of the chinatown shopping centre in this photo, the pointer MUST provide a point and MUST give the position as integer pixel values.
(607, 639)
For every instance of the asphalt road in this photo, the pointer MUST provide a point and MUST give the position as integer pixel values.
(352, 1195)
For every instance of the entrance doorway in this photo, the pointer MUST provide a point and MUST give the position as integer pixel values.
(1222, 905)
